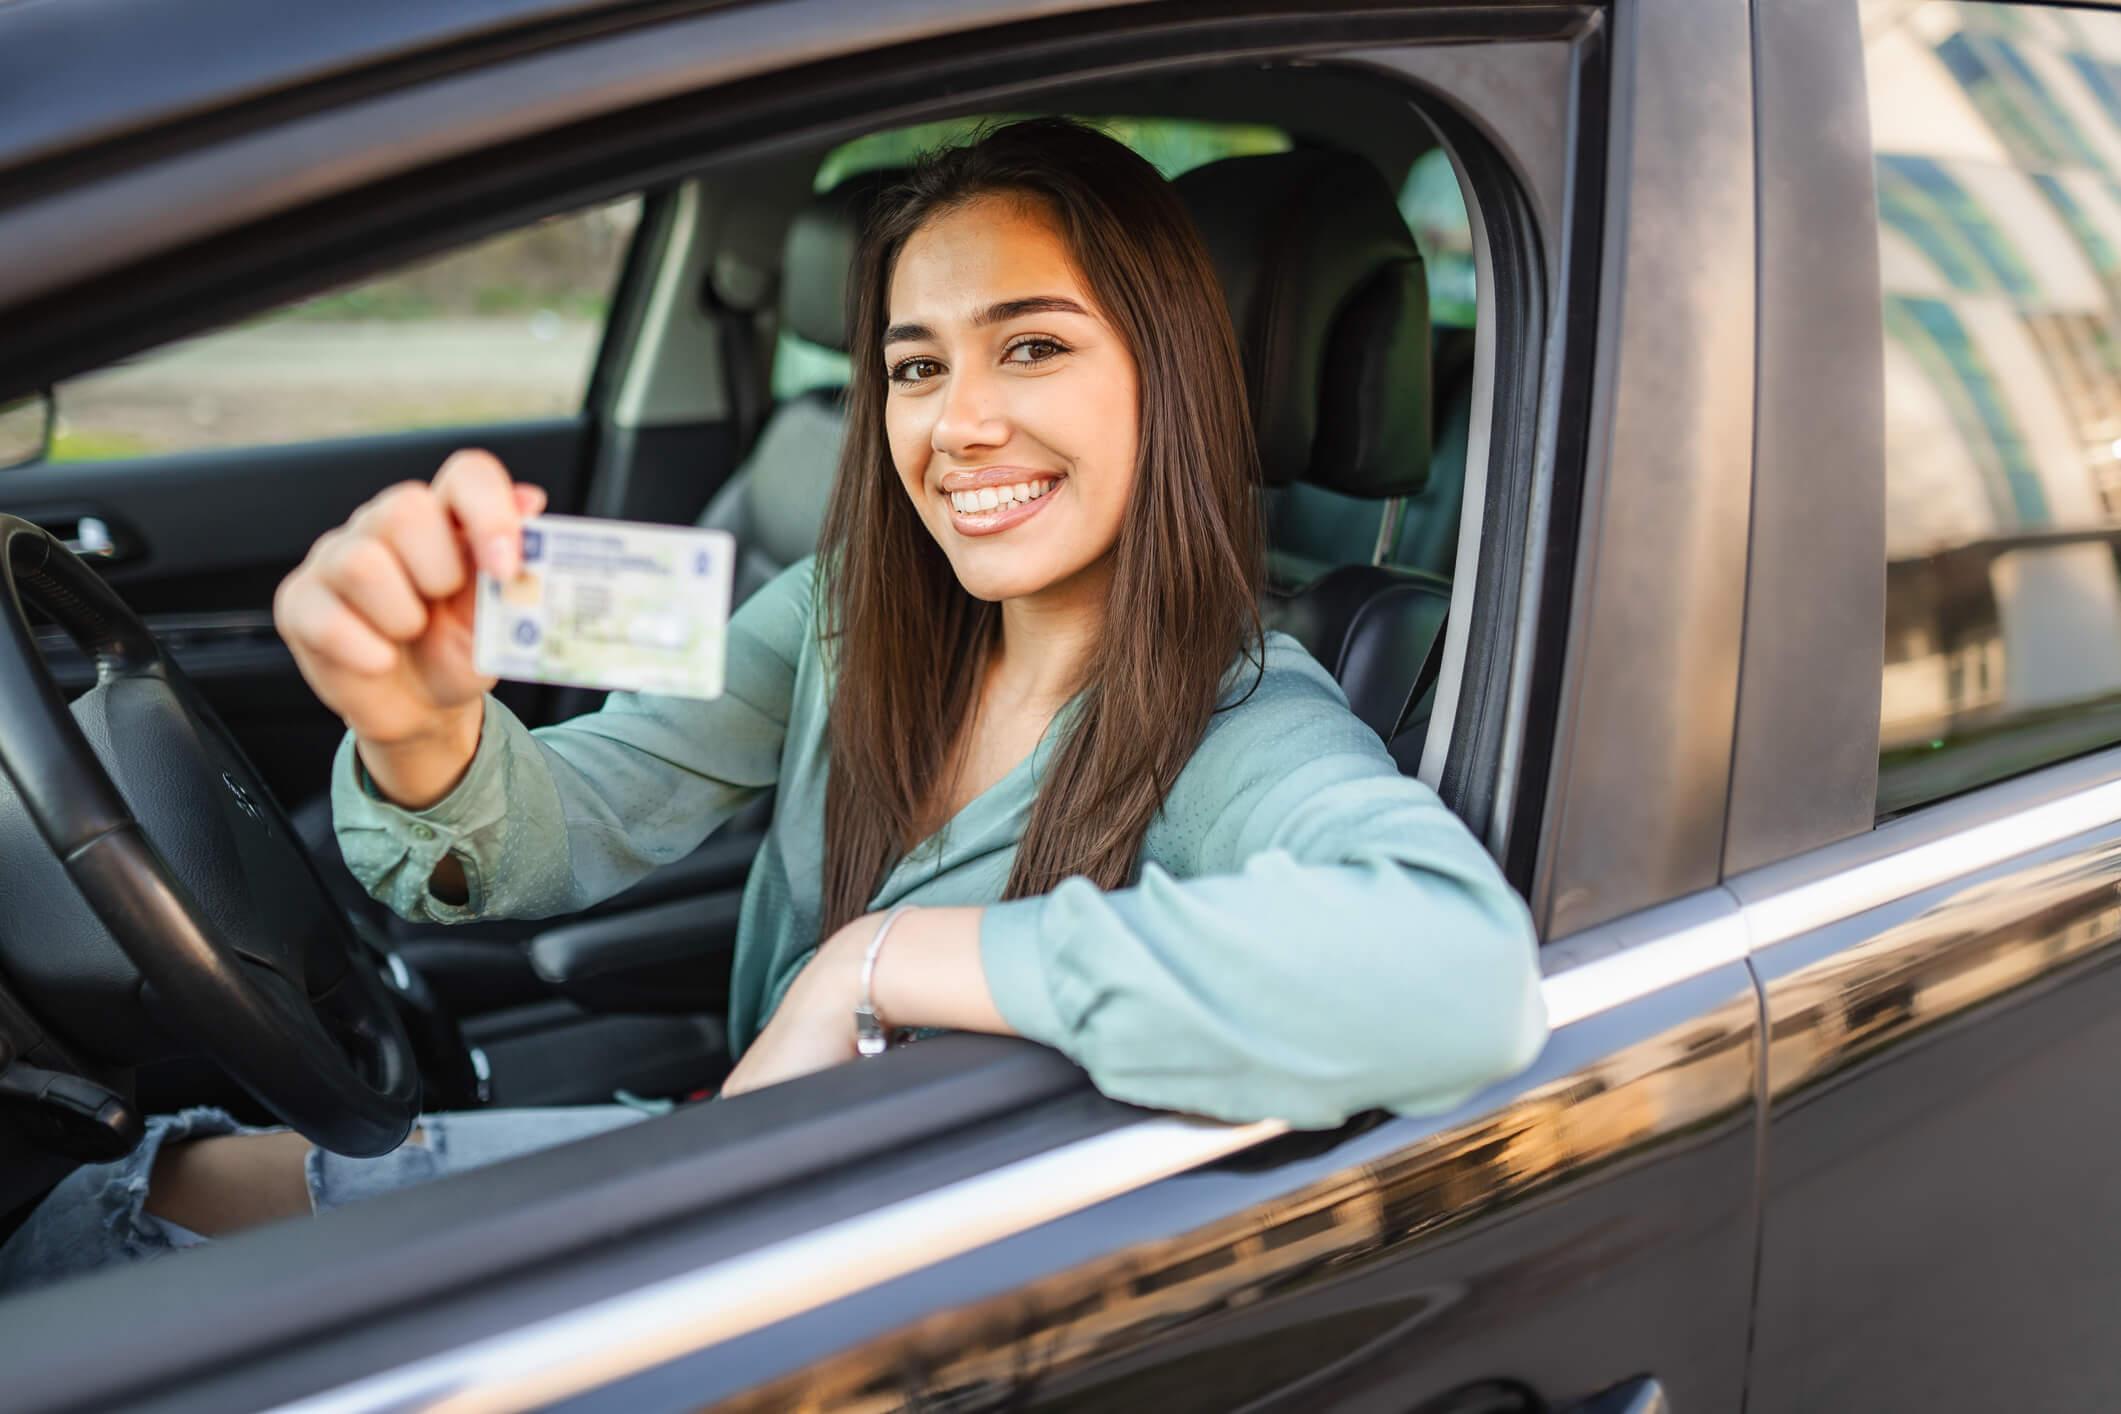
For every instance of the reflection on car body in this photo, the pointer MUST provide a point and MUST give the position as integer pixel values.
(1194, 1293)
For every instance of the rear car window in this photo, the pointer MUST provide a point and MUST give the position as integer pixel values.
(1435, 208)
(506, 330)
(1997, 131)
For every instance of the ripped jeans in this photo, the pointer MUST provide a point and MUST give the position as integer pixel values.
(97, 1215)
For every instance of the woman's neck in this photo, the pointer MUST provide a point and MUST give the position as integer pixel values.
(1046, 642)
(1034, 665)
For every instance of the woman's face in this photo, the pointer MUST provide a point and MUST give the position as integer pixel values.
(1012, 405)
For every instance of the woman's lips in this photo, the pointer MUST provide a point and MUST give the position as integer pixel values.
(993, 476)
(1001, 518)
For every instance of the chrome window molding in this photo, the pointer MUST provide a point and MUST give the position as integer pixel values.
(579, 1350)
(1928, 848)
(1864, 945)
(1658, 1081)
(1614, 971)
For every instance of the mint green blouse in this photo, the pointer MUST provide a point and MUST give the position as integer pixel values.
(1313, 933)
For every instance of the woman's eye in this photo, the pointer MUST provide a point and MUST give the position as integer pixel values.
(1030, 351)
(915, 370)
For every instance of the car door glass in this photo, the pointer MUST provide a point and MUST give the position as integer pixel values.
(506, 330)
(1435, 208)
(1997, 131)
(1175, 145)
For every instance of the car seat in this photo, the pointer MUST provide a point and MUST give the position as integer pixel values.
(1330, 301)
(775, 502)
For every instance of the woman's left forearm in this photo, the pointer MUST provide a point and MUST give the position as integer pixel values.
(929, 973)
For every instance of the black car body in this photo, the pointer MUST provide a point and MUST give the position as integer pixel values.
(1819, 1125)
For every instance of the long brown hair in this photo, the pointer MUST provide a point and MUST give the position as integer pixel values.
(909, 643)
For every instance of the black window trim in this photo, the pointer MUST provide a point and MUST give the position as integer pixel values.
(1805, 748)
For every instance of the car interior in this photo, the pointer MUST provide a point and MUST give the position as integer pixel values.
(1362, 394)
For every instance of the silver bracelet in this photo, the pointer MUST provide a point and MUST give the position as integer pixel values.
(871, 1037)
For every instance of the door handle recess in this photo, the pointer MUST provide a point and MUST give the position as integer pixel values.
(88, 537)
(1643, 1395)
(88, 531)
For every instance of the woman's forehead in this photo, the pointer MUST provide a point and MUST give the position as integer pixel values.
(970, 258)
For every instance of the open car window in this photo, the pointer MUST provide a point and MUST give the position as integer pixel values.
(506, 330)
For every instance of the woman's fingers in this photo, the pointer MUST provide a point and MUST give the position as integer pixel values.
(370, 590)
(411, 520)
(477, 491)
(367, 574)
(316, 622)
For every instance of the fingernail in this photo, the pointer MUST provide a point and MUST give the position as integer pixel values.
(501, 553)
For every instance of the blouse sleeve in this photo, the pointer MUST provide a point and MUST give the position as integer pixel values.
(1328, 938)
(553, 820)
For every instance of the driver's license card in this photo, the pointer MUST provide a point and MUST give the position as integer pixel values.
(610, 603)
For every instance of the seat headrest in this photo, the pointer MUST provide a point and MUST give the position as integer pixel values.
(1331, 306)
(817, 257)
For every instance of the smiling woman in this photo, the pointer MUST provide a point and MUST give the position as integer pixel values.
(1047, 314)
(1039, 771)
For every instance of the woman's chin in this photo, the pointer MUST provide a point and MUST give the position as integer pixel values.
(994, 583)
(993, 571)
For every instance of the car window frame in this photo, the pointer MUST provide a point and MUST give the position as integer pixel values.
(1411, 28)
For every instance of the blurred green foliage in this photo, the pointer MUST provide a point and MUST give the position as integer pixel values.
(1172, 145)
(71, 445)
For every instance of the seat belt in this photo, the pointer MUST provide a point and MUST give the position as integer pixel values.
(1431, 669)
(749, 394)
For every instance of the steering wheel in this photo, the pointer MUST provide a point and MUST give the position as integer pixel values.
(203, 916)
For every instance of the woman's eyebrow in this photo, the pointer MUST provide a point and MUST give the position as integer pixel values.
(993, 314)
(1032, 304)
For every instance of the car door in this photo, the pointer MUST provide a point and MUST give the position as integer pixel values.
(1579, 1237)
(963, 1223)
(1940, 979)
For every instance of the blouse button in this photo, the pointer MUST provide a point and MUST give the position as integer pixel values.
(423, 832)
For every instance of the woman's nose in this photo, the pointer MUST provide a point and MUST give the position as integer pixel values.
(971, 418)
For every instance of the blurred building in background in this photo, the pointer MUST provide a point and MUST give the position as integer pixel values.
(1998, 138)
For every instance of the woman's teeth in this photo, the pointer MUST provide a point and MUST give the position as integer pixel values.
(989, 498)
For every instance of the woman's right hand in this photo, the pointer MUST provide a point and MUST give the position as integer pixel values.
(379, 618)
